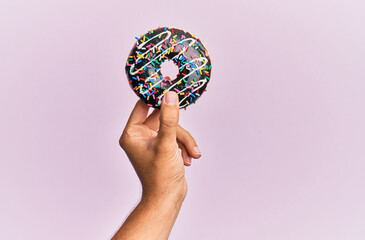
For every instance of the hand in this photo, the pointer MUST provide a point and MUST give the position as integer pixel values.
(152, 145)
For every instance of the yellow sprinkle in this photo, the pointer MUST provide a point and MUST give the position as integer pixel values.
(148, 97)
(130, 56)
(179, 83)
(187, 102)
(174, 36)
(164, 91)
(160, 35)
(200, 55)
(151, 30)
(193, 36)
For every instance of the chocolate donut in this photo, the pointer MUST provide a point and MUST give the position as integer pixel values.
(143, 66)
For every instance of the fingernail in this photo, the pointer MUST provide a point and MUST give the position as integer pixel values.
(188, 161)
(171, 98)
(196, 149)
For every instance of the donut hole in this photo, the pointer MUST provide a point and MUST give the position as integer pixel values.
(170, 69)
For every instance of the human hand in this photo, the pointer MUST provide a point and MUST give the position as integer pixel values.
(152, 145)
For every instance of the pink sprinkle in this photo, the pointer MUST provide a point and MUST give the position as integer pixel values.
(194, 56)
(149, 105)
(138, 78)
(176, 90)
(182, 37)
(149, 66)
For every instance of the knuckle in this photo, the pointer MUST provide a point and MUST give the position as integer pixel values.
(124, 139)
(186, 136)
(166, 124)
(168, 121)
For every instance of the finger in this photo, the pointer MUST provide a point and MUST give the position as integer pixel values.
(169, 118)
(188, 141)
(138, 114)
(185, 155)
(153, 120)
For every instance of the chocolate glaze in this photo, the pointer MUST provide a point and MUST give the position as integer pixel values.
(143, 66)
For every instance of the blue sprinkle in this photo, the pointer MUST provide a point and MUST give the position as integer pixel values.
(137, 38)
(197, 72)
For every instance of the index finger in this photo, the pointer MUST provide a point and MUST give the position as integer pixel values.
(139, 113)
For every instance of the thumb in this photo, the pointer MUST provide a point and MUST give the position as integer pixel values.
(169, 118)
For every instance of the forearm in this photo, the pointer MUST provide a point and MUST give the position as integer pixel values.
(153, 218)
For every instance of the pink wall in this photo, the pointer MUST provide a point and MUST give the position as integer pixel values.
(283, 148)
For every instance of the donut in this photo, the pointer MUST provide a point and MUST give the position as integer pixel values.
(143, 67)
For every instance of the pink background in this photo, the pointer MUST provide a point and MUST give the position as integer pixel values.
(283, 148)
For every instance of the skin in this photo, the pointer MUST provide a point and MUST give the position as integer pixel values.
(158, 148)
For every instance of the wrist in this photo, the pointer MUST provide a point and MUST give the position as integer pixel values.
(175, 193)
